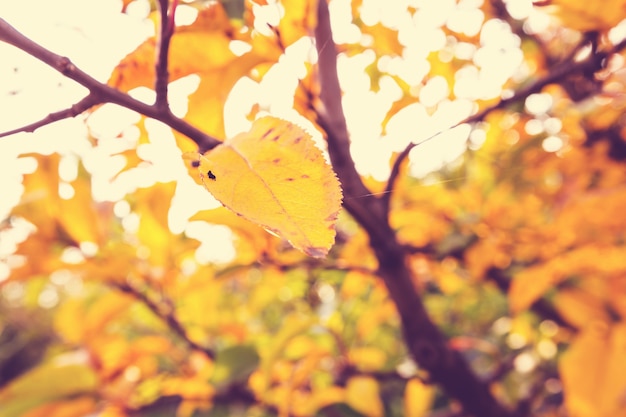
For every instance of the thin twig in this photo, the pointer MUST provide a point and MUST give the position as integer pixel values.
(165, 315)
(73, 111)
(100, 92)
(559, 72)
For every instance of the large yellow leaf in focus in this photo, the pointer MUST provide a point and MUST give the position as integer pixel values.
(276, 177)
(593, 372)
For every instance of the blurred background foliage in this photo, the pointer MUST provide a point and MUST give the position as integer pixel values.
(515, 224)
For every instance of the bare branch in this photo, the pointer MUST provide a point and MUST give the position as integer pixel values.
(424, 340)
(163, 47)
(164, 314)
(76, 109)
(567, 67)
(541, 306)
(393, 175)
(331, 117)
(101, 92)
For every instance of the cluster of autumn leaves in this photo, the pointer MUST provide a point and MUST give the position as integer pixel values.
(518, 252)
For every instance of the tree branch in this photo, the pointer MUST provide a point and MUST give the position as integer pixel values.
(163, 47)
(331, 118)
(424, 340)
(541, 307)
(73, 111)
(567, 67)
(166, 315)
(100, 92)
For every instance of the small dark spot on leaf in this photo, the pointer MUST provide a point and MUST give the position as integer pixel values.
(277, 160)
(289, 179)
(304, 176)
(211, 175)
(266, 134)
(195, 164)
(298, 139)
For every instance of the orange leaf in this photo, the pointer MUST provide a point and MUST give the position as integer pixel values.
(593, 371)
(153, 206)
(385, 39)
(276, 177)
(579, 307)
(584, 15)
(202, 46)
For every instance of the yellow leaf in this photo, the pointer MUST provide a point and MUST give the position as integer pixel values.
(153, 206)
(44, 383)
(78, 215)
(66, 321)
(78, 407)
(276, 177)
(297, 20)
(385, 39)
(418, 398)
(326, 396)
(368, 358)
(188, 387)
(593, 371)
(531, 284)
(585, 15)
(42, 205)
(291, 328)
(194, 48)
(202, 48)
(362, 394)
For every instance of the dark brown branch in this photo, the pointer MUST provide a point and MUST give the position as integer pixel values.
(593, 63)
(164, 314)
(331, 118)
(101, 92)
(163, 46)
(393, 175)
(541, 307)
(424, 340)
(78, 108)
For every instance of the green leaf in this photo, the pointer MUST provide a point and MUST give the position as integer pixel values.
(235, 364)
(45, 383)
(343, 410)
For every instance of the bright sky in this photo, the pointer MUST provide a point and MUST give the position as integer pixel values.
(96, 36)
